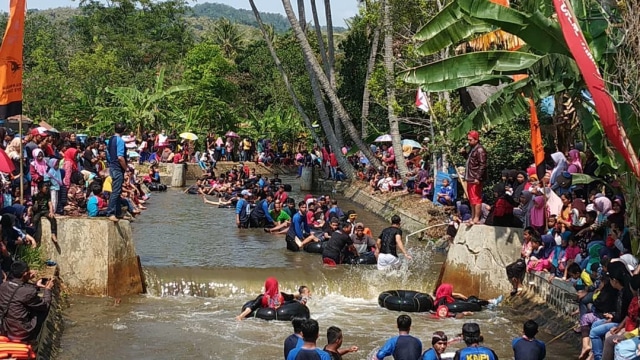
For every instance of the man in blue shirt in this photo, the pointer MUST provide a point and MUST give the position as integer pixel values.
(295, 237)
(403, 346)
(308, 350)
(242, 210)
(260, 216)
(294, 340)
(471, 336)
(117, 167)
(439, 343)
(528, 347)
(445, 195)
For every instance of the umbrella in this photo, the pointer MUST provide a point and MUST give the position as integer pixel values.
(231, 134)
(133, 154)
(414, 144)
(189, 136)
(383, 138)
(6, 165)
(219, 141)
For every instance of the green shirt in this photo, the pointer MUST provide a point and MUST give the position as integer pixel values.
(283, 216)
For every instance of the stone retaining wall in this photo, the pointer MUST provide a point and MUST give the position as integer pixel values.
(48, 341)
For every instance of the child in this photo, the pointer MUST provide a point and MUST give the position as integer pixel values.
(304, 294)
(96, 206)
(42, 206)
(570, 254)
(445, 195)
(427, 191)
(55, 178)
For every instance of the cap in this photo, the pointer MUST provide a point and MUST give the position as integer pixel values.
(359, 226)
(474, 135)
(439, 335)
(470, 329)
(245, 193)
(38, 131)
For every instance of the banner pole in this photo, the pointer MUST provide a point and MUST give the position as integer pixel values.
(21, 160)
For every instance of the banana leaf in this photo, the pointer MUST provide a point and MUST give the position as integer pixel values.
(583, 179)
(449, 27)
(539, 32)
(470, 69)
(596, 139)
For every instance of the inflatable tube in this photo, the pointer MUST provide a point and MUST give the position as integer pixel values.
(285, 312)
(405, 300)
(154, 186)
(315, 247)
(459, 306)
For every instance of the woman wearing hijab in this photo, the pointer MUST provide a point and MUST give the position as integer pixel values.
(502, 209)
(445, 295)
(271, 298)
(575, 165)
(70, 165)
(38, 169)
(537, 214)
(560, 166)
(523, 211)
(518, 186)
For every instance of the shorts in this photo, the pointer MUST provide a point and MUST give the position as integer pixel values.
(475, 193)
(293, 243)
(387, 261)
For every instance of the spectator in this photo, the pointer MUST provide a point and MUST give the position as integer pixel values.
(117, 167)
(95, 203)
(527, 347)
(445, 195)
(475, 174)
(24, 310)
(308, 350)
(472, 338)
(403, 346)
(42, 206)
(334, 341)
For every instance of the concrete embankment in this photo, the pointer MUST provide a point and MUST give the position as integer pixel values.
(477, 259)
(180, 174)
(95, 256)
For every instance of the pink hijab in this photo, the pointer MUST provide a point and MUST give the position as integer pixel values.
(537, 211)
(575, 165)
(40, 165)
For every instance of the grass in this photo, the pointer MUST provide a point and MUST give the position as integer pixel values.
(35, 258)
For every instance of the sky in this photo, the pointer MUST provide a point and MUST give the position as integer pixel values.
(341, 9)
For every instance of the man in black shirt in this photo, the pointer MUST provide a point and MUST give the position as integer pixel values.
(387, 244)
(340, 246)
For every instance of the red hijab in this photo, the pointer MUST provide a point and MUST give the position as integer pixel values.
(444, 292)
(272, 297)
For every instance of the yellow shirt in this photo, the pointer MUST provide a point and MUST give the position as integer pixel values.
(106, 185)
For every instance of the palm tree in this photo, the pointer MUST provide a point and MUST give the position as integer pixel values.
(394, 129)
(228, 36)
(326, 85)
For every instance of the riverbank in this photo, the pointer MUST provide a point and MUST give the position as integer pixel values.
(484, 251)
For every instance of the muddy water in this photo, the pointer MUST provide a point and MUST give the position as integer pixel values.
(200, 269)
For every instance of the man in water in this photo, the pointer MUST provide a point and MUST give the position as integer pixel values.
(242, 210)
(363, 243)
(471, 336)
(527, 347)
(294, 340)
(403, 346)
(281, 218)
(387, 244)
(295, 237)
(334, 341)
(340, 246)
(308, 350)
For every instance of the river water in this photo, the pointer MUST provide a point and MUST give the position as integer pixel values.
(200, 269)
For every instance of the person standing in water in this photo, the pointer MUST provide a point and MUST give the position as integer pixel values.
(472, 337)
(308, 350)
(403, 346)
(389, 241)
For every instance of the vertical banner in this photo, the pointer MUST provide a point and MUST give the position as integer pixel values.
(604, 105)
(536, 141)
(11, 62)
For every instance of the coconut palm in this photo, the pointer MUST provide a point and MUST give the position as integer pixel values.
(326, 84)
(228, 36)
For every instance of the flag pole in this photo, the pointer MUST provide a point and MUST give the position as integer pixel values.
(21, 176)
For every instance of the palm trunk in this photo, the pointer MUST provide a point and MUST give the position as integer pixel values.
(325, 122)
(366, 94)
(394, 129)
(331, 62)
(326, 85)
(285, 78)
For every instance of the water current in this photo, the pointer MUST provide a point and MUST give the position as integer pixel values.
(200, 269)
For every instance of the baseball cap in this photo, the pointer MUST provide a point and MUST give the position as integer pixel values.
(245, 193)
(470, 329)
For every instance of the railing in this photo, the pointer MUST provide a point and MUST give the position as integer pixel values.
(420, 231)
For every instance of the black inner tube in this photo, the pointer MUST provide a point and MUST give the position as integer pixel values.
(285, 312)
(405, 300)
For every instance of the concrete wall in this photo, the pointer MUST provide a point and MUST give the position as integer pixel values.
(193, 171)
(48, 341)
(477, 259)
(95, 256)
(359, 193)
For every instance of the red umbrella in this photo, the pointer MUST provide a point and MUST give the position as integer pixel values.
(6, 165)
(231, 134)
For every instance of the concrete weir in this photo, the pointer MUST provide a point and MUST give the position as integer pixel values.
(95, 256)
(478, 256)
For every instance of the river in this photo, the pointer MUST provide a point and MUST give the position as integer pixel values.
(200, 269)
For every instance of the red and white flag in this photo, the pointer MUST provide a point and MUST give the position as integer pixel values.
(421, 100)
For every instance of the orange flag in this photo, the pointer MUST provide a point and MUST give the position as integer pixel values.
(11, 61)
(536, 140)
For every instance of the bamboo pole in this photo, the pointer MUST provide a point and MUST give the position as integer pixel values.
(21, 160)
